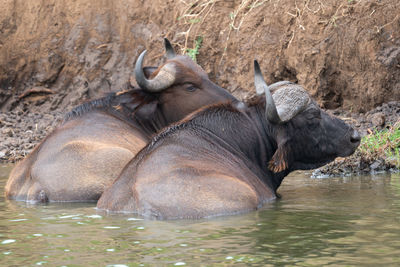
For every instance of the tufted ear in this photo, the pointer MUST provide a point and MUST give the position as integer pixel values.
(147, 110)
(280, 160)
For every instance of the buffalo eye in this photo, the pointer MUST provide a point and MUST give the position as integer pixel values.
(191, 88)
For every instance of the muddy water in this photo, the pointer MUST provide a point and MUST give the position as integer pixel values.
(338, 221)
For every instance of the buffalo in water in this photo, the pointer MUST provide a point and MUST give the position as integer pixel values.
(230, 158)
(96, 140)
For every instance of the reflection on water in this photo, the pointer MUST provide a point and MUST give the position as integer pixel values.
(338, 221)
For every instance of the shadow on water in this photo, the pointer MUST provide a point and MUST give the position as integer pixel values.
(339, 221)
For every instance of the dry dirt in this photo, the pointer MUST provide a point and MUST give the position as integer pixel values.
(56, 54)
(345, 52)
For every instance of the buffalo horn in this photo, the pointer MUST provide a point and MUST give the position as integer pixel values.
(261, 85)
(169, 50)
(164, 78)
(289, 99)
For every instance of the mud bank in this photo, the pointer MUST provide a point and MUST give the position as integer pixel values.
(382, 117)
(55, 54)
(21, 132)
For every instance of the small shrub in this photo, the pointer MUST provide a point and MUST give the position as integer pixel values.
(193, 52)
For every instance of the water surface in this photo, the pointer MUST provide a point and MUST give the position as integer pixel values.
(348, 221)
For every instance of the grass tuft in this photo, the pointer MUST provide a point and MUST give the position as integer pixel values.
(193, 52)
(384, 144)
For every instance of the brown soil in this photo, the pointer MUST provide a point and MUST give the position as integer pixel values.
(57, 54)
(345, 52)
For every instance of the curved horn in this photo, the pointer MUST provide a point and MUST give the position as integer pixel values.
(261, 86)
(164, 78)
(278, 84)
(169, 50)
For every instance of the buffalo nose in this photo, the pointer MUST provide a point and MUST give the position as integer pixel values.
(355, 137)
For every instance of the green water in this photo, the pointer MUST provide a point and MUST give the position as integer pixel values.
(334, 221)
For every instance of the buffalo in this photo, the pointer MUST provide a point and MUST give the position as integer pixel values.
(230, 158)
(95, 140)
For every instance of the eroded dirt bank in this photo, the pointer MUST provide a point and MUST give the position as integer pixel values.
(56, 54)
(346, 53)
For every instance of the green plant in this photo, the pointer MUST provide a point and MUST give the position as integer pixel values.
(193, 21)
(193, 52)
(383, 144)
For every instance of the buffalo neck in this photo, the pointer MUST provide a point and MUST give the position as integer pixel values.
(135, 107)
(140, 108)
(268, 144)
(247, 134)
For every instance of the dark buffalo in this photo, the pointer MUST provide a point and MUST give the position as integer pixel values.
(227, 158)
(95, 141)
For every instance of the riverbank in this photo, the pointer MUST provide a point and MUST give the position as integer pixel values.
(22, 131)
(380, 145)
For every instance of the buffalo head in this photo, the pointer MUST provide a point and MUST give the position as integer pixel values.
(179, 78)
(307, 137)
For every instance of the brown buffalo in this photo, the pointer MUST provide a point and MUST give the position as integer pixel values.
(95, 141)
(227, 159)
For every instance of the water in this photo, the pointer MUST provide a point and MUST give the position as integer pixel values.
(334, 221)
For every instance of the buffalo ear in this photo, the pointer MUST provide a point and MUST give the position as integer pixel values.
(147, 110)
(279, 161)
